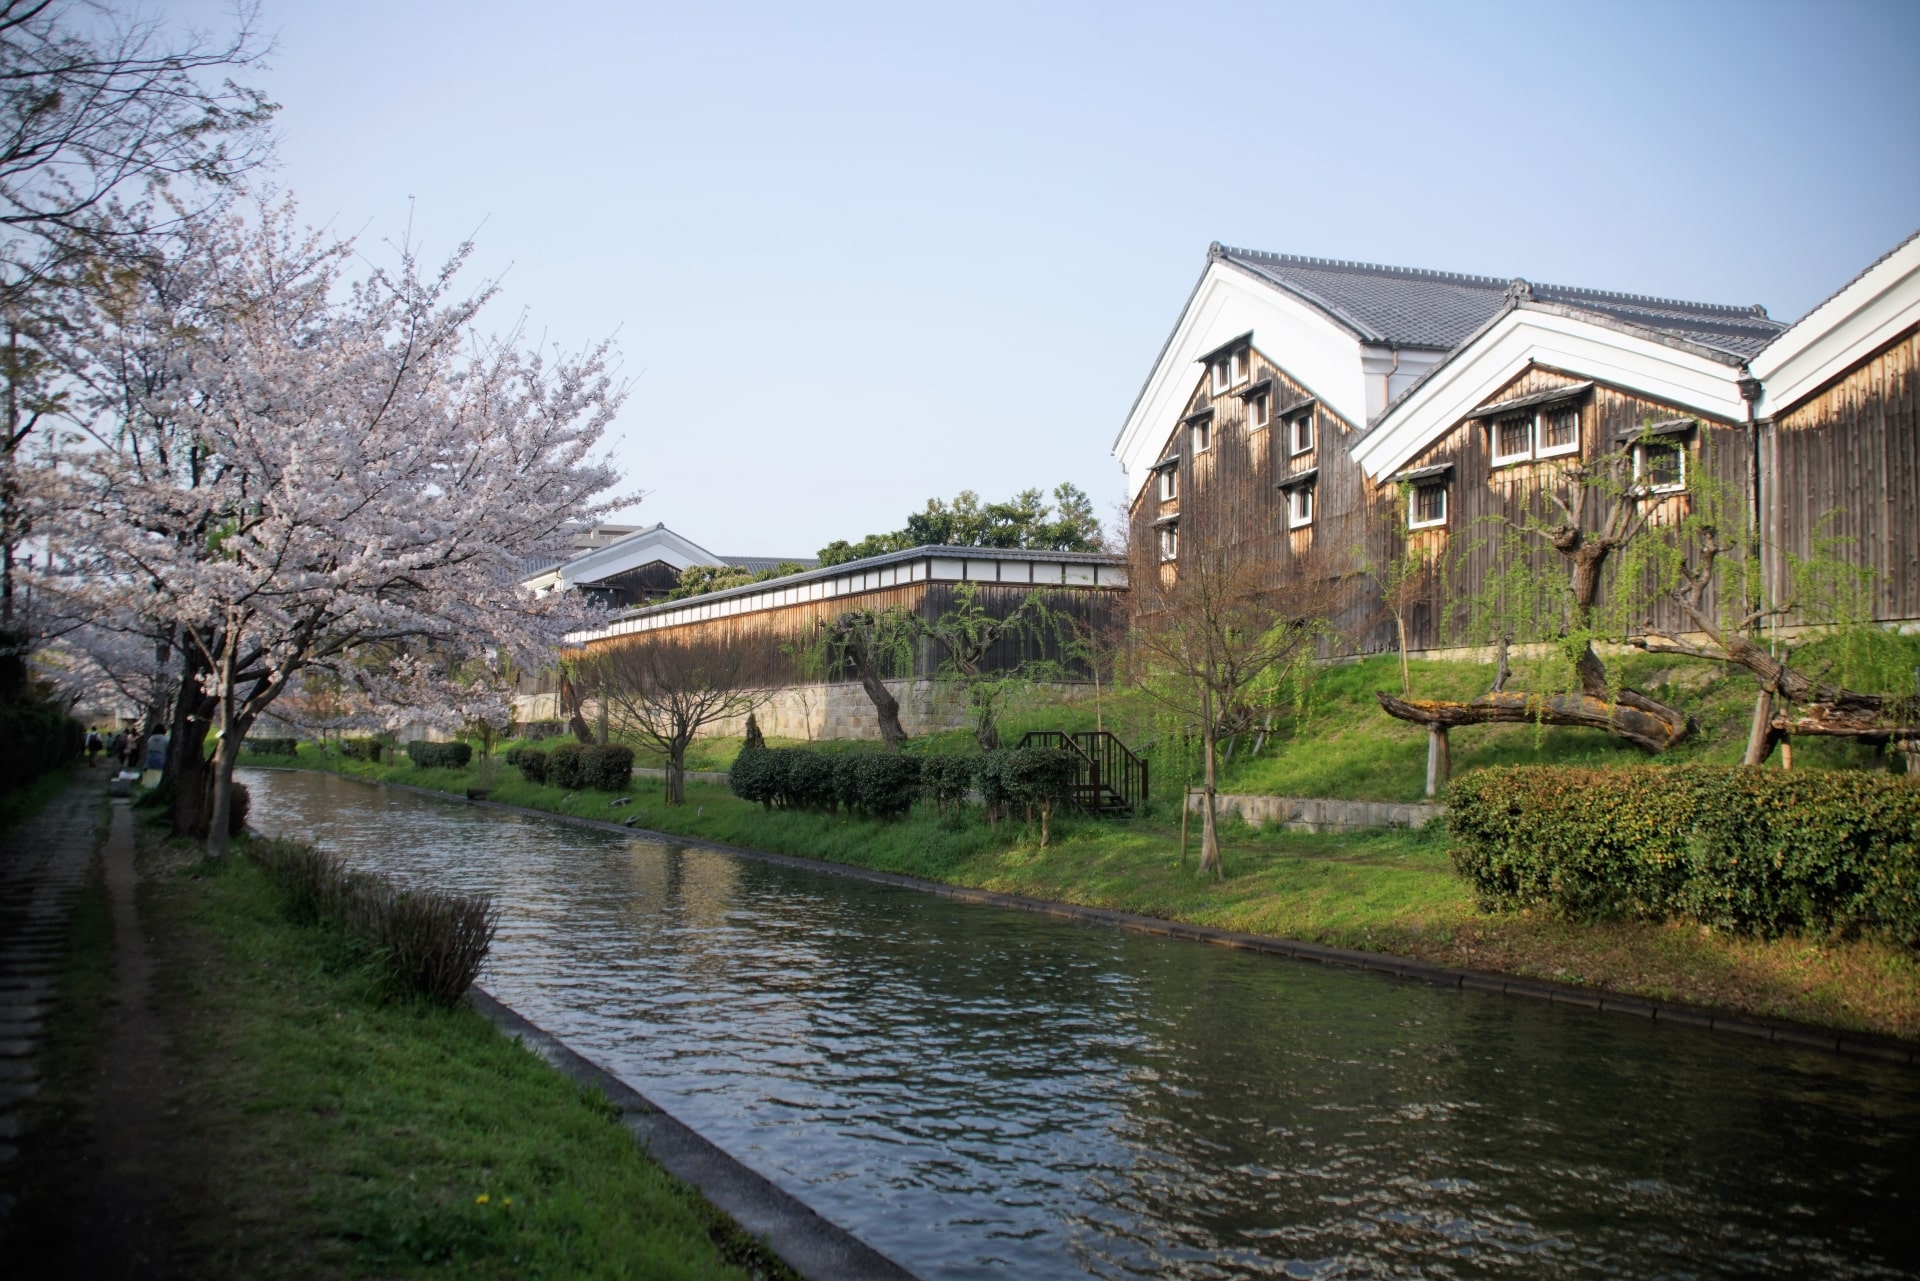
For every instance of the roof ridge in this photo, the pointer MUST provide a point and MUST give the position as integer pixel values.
(1424, 273)
(1755, 311)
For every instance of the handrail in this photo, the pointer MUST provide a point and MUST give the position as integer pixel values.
(1110, 776)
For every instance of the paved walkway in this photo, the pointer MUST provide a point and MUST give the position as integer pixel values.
(42, 865)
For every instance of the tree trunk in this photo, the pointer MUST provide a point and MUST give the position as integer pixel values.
(884, 704)
(221, 816)
(1439, 763)
(1406, 676)
(570, 704)
(1760, 735)
(187, 765)
(1641, 721)
(1210, 864)
(677, 776)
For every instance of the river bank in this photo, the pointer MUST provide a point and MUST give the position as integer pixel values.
(1391, 892)
(427, 1142)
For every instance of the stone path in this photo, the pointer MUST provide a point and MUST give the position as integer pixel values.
(42, 865)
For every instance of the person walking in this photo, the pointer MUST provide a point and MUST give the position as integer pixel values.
(94, 746)
(156, 758)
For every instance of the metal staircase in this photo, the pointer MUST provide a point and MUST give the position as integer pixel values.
(1111, 779)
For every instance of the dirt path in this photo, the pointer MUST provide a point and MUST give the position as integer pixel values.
(94, 1184)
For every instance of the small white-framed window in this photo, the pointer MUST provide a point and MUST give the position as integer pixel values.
(1258, 409)
(1512, 439)
(1300, 506)
(1220, 376)
(1559, 432)
(1201, 434)
(1169, 542)
(1230, 370)
(1300, 432)
(1427, 505)
(1169, 483)
(1660, 466)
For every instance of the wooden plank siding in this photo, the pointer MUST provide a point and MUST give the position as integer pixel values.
(1845, 464)
(1228, 494)
(930, 600)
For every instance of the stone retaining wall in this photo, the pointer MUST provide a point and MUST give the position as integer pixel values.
(1314, 814)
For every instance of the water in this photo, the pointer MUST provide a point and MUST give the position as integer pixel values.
(983, 1092)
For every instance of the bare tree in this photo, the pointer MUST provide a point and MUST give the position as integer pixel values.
(1210, 630)
(664, 690)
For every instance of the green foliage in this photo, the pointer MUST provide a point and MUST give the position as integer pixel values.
(946, 779)
(272, 746)
(538, 731)
(875, 784)
(1753, 851)
(606, 768)
(430, 943)
(530, 761)
(239, 805)
(439, 755)
(36, 734)
(566, 766)
(360, 749)
(576, 766)
(699, 580)
(1026, 520)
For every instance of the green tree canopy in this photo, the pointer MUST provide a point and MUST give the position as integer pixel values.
(1027, 520)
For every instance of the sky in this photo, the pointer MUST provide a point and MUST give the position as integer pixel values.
(857, 256)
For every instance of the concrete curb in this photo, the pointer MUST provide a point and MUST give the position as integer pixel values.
(807, 1243)
(1780, 1031)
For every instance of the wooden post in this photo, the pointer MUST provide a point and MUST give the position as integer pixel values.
(1786, 752)
(1760, 735)
(1439, 760)
(1186, 807)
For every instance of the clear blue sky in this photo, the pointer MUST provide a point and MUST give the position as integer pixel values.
(859, 255)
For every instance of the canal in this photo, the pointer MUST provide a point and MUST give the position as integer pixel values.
(976, 1091)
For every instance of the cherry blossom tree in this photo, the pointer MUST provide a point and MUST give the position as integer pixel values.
(295, 467)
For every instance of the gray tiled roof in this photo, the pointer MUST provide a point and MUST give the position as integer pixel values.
(758, 563)
(1410, 307)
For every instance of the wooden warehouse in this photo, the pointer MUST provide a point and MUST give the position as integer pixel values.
(784, 616)
(1303, 406)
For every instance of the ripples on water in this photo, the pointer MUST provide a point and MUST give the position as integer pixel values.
(976, 1090)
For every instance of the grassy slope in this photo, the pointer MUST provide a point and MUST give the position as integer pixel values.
(1338, 743)
(427, 1143)
(1391, 891)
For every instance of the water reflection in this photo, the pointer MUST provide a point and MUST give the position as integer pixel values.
(974, 1090)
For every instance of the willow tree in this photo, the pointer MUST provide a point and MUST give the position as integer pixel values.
(967, 634)
(1211, 631)
(879, 645)
(1570, 572)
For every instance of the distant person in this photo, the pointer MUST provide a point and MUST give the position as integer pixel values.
(118, 746)
(156, 757)
(94, 746)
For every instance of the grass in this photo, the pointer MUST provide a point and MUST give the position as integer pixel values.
(19, 804)
(1387, 891)
(317, 1127)
(1336, 742)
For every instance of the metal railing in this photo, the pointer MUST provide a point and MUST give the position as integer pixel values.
(1110, 778)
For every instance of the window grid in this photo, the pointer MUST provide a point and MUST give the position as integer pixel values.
(1300, 433)
(1169, 542)
(1299, 506)
(1429, 506)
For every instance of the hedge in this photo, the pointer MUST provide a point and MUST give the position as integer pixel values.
(360, 749)
(530, 761)
(885, 784)
(439, 755)
(272, 746)
(537, 730)
(1751, 851)
(574, 766)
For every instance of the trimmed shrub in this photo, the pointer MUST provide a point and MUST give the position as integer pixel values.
(1747, 850)
(272, 746)
(360, 749)
(607, 768)
(991, 771)
(945, 779)
(805, 779)
(530, 761)
(877, 784)
(429, 942)
(536, 731)
(439, 755)
(751, 776)
(565, 765)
